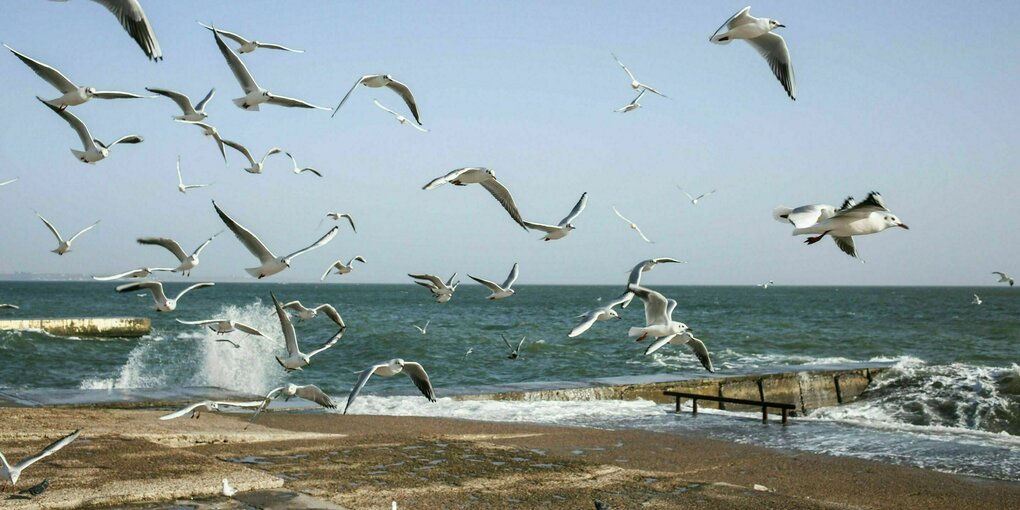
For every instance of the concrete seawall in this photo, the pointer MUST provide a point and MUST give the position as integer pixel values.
(129, 327)
(807, 389)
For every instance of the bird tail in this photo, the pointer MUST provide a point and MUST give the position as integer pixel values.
(721, 38)
(636, 331)
(254, 271)
(240, 104)
(782, 214)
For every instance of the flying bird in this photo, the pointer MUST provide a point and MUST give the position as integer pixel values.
(8, 182)
(256, 166)
(195, 410)
(163, 303)
(602, 313)
(633, 105)
(514, 352)
(62, 245)
(632, 225)
(393, 367)
(977, 300)
(95, 150)
(304, 313)
(758, 32)
(766, 284)
(342, 268)
(643, 267)
(441, 291)
(270, 264)
(187, 262)
(384, 80)
(1004, 278)
(141, 272)
(634, 83)
(868, 217)
(485, 177)
(694, 200)
(224, 326)
(686, 338)
(72, 94)
(252, 45)
(564, 227)
(191, 113)
(211, 131)
(499, 291)
(183, 188)
(309, 392)
(8, 306)
(297, 170)
(12, 473)
(296, 359)
(423, 329)
(335, 216)
(659, 321)
(131, 16)
(400, 118)
(253, 94)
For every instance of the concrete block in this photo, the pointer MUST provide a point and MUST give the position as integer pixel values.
(745, 389)
(851, 385)
(784, 388)
(817, 390)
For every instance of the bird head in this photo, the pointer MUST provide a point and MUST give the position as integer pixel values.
(774, 24)
(397, 363)
(614, 315)
(892, 221)
(570, 226)
(491, 172)
(90, 91)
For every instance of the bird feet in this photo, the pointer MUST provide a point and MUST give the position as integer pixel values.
(642, 337)
(813, 240)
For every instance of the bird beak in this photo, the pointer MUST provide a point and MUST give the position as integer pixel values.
(903, 226)
(780, 26)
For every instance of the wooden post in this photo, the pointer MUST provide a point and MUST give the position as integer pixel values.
(678, 405)
(694, 403)
(764, 414)
(785, 412)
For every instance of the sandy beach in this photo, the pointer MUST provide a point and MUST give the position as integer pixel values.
(128, 457)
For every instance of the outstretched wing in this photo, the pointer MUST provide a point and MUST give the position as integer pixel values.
(184, 411)
(511, 278)
(655, 304)
(169, 244)
(541, 226)
(434, 279)
(405, 94)
(241, 74)
(292, 102)
(699, 350)
(289, 336)
(847, 245)
(344, 100)
(585, 325)
(490, 285)
(183, 101)
(244, 328)
(51, 75)
(131, 16)
(49, 450)
(50, 226)
(248, 239)
(772, 46)
(874, 203)
(658, 344)
(313, 393)
(420, 379)
(362, 379)
(201, 104)
(191, 288)
(577, 210)
(504, 198)
(332, 314)
(322, 241)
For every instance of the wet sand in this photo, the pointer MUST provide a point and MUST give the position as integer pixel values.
(365, 462)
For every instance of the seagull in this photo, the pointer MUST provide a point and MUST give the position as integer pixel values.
(977, 300)
(229, 341)
(485, 177)
(254, 95)
(62, 245)
(335, 216)
(685, 338)
(342, 268)
(1004, 278)
(297, 170)
(183, 188)
(131, 16)
(633, 226)
(499, 291)
(868, 217)
(224, 326)
(758, 32)
(12, 473)
(424, 329)
(602, 313)
(514, 353)
(766, 284)
(188, 262)
(195, 410)
(296, 359)
(565, 226)
(384, 80)
(308, 392)
(400, 118)
(191, 113)
(250, 46)
(304, 313)
(271, 264)
(634, 84)
(441, 291)
(633, 105)
(659, 321)
(694, 201)
(229, 490)
(95, 150)
(643, 267)
(8, 182)
(73, 95)
(9, 306)
(141, 272)
(395, 366)
(163, 304)
(256, 166)
(209, 130)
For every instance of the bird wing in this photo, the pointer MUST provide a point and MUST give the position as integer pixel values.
(520, 344)
(313, 393)
(621, 216)
(450, 281)
(505, 199)
(1001, 275)
(642, 234)
(331, 312)
(244, 328)
(75, 122)
(244, 78)
(328, 343)
(491, 285)
(740, 18)
(439, 181)
(576, 211)
(183, 101)
(362, 379)
(51, 75)
(846, 244)
(344, 100)
(207, 241)
(874, 203)
(229, 35)
(201, 104)
(322, 241)
(51, 227)
(126, 139)
(351, 221)
(772, 46)
(622, 298)
(585, 325)
(295, 305)
(699, 350)
(805, 216)
(541, 226)
(420, 379)
(115, 94)
(632, 78)
(239, 148)
(155, 287)
(8, 182)
(49, 450)
(265, 403)
(434, 279)
(658, 344)
(184, 410)
(274, 46)
(429, 286)
(82, 231)
(249, 240)
(169, 244)
(191, 288)
(511, 278)
(405, 94)
(655, 304)
(131, 16)
(359, 258)
(292, 102)
(670, 306)
(328, 269)
(289, 336)
(377, 103)
(200, 323)
(507, 342)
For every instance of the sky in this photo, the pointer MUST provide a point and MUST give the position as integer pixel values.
(912, 99)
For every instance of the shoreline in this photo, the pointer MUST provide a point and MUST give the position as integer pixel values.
(129, 456)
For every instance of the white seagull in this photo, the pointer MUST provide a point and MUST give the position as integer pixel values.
(95, 150)
(191, 113)
(659, 321)
(400, 118)
(297, 170)
(309, 392)
(304, 313)
(441, 291)
(62, 245)
(12, 473)
(499, 291)
(335, 216)
(632, 225)
(8, 182)
(253, 94)
(183, 188)
(633, 105)
(564, 227)
(423, 329)
(686, 338)
(514, 352)
(758, 32)
(694, 200)
(643, 267)
(187, 262)
(224, 326)
(229, 490)
(256, 166)
(1004, 278)
(9, 306)
(977, 300)
(485, 177)
(634, 83)
(195, 410)
(209, 130)
(73, 95)
(131, 16)
(602, 313)
(163, 303)
(342, 268)
(296, 359)
(384, 80)
(766, 284)
(393, 367)
(271, 264)
(252, 45)
(868, 217)
(141, 272)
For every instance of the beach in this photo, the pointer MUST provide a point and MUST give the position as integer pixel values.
(127, 457)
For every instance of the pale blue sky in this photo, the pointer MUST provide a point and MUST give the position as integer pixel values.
(914, 99)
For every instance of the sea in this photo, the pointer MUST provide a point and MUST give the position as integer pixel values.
(949, 402)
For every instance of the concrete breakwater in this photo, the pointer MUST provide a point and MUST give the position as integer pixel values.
(107, 327)
(807, 389)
